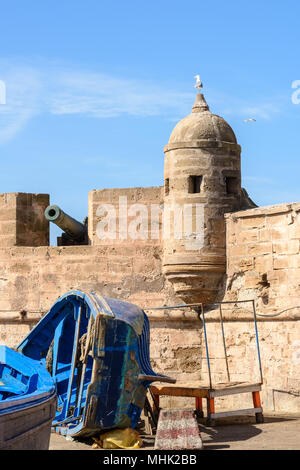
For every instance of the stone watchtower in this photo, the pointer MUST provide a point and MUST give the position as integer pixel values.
(202, 171)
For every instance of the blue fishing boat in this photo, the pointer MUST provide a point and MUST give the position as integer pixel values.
(27, 402)
(97, 351)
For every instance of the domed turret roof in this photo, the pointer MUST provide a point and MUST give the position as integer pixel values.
(201, 124)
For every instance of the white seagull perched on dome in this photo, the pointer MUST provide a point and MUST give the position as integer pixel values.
(198, 84)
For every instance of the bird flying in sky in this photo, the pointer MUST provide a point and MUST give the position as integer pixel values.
(249, 120)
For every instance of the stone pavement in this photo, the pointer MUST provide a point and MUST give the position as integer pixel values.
(278, 432)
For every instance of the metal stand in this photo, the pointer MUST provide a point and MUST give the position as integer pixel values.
(200, 391)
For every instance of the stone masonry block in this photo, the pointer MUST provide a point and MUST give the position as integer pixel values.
(286, 247)
(253, 222)
(262, 248)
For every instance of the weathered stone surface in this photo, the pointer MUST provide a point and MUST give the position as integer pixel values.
(22, 221)
(250, 255)
(198, 173)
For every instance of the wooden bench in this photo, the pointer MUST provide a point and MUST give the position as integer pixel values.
(200, 391)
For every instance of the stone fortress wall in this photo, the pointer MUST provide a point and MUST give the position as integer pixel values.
(261, 252)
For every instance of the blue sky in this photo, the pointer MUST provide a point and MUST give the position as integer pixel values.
(94, 89)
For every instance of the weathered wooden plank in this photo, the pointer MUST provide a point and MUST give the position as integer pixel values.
(247, 411)
(175, 391)
(203, 391)
(235, 390)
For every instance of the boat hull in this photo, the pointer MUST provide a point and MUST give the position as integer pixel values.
(97, 351)
(28, 402)
(28, 428)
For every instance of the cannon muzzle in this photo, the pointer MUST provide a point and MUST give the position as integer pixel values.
(74, 229)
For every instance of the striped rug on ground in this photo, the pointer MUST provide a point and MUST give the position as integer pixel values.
(177, 429)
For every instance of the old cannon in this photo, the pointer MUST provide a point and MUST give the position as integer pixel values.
(75, 233)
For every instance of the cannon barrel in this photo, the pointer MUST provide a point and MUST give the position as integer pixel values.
(74, 229)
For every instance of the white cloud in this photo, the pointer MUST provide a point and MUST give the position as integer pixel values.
(23, 90)
(259, 179)
(48, 88)
(261, 108)
(263, 111)
(44, 87)
(102, 96)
